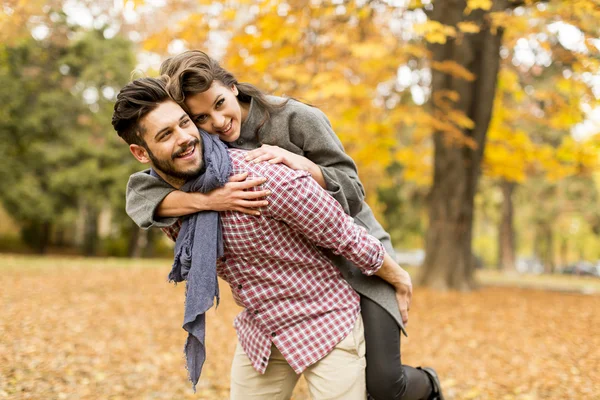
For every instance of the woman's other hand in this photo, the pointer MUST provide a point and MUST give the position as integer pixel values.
(277, 155)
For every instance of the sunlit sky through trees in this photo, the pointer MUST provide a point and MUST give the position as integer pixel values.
(527, 53)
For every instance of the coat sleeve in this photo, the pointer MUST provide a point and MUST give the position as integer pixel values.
(144, 194)
(311, 131)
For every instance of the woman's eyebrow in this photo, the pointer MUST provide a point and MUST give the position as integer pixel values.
(217, 99)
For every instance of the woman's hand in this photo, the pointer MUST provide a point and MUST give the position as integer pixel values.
(277, 155)
(234, 195)
(404, 294)
(397, 276)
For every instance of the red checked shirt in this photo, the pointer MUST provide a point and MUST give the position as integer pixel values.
(293, 296)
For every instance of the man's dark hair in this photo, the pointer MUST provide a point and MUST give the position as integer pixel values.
(134, 102)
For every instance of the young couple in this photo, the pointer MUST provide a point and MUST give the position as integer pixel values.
(257, 189)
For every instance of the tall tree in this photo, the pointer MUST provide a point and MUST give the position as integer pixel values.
(457, 163)
(366, 64)
(59, 152)
(472, 43)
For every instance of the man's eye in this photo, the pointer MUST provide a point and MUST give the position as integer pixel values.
(165, 135)
(220, 103)
(185, 122)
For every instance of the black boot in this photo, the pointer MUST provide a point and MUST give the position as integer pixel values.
(436, 393)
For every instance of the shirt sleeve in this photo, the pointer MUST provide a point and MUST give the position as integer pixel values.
(311, 130)
(173, 231)
(306, 207)
(144, 194)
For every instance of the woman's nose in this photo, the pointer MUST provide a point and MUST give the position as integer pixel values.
(218, 121)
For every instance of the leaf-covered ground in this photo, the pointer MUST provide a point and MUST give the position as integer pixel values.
(108, 329)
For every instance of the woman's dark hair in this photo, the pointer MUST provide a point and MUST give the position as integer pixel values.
(134, 102)
(194, 72)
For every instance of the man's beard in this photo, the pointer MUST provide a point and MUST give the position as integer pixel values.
(167, 167)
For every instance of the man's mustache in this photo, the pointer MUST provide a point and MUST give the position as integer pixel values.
(182, 150)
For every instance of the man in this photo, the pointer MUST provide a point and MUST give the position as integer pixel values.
(300, 315)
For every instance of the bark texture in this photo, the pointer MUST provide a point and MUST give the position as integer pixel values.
(449, 262)
(506, 237)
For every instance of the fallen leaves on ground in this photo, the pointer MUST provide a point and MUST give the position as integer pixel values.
(106, 329)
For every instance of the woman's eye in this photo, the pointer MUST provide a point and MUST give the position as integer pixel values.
(200, 119)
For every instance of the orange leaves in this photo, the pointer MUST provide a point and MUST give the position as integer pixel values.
(478, 4)
(435, 32)
(460, 119)
(111, 329)
(345, 60)
(368, 50)
(16, 18)
(468, 27)
(417, 164)
(453, 68)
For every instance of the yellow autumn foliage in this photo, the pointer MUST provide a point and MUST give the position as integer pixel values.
(344, 59)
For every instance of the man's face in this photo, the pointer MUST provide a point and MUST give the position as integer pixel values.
(173, 144)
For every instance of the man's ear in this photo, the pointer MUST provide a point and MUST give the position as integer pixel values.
(140, 153)
(234, 89)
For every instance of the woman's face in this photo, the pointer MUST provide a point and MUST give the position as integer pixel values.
(217, 111)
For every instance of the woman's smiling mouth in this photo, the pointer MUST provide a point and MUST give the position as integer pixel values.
(227, 129)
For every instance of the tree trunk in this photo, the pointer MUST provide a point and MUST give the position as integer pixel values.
(564, 252)
(37, 235)
(549, 264)
(506, 236)
(149, 247)
(138, 239)
(448, 262)
(90, 232)
(544, 246)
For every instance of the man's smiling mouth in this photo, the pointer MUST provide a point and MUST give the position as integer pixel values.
(188, 152)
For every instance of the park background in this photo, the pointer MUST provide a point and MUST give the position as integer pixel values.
(475, 127)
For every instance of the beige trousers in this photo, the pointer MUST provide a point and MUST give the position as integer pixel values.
(340, 375)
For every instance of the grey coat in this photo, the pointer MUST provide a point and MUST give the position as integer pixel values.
(306, 131)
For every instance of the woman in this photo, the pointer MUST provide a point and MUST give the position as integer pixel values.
(290, 132)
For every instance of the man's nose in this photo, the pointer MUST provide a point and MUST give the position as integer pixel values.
(183, 136)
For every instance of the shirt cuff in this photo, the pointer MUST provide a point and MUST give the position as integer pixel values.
(378, 263)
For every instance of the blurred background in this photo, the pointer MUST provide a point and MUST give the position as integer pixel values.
(475, 125)
(486, 107)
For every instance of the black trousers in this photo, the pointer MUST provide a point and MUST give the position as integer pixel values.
(387, 378)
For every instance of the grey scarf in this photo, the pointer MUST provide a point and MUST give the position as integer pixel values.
(199, 244)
